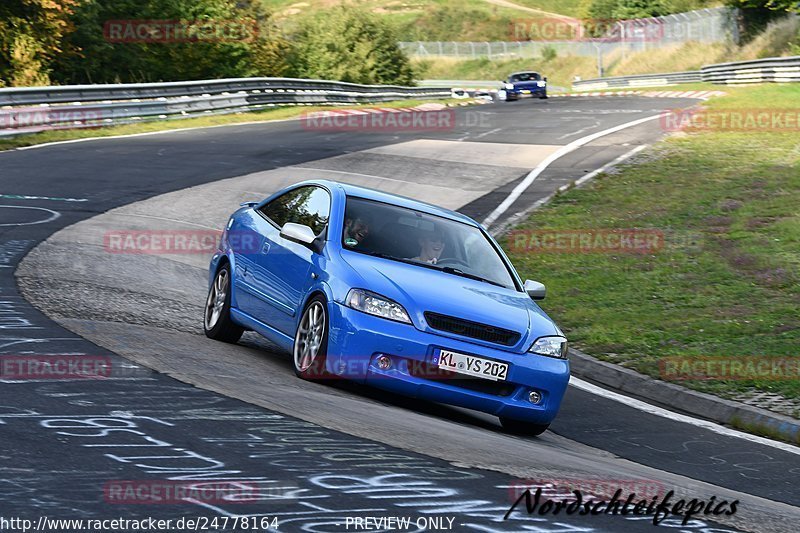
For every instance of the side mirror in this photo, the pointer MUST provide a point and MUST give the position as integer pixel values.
(545, 78)
(535, 289)
(298, 233)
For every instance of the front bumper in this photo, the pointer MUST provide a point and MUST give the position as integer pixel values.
(356, 340)
(513, 94)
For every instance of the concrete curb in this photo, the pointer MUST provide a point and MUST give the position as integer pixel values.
(702, 405)
(700, 95)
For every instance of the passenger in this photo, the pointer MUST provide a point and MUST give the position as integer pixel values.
(431, 245)
(356, 228)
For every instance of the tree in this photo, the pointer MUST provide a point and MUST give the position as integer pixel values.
(756, 15)
(639, 9)
(774, 5)
(352, 45)
(30, 35)
(100, 57)
(270, 52)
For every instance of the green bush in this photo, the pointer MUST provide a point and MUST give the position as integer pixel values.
(352, 45)
(549, 53)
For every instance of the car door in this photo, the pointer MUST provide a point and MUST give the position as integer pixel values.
(282, 273)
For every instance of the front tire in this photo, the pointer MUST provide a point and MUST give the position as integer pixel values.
(311, 341)
(518, 427)
(217, 322)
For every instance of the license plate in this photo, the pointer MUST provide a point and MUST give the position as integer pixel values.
(526, 92)
(472, 366)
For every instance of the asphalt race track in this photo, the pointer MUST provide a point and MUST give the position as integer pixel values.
(179, 406)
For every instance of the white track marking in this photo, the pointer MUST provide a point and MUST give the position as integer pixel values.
(27, 197)
(513, 219)
(621, 398)
(53, 215)
(566, 149)
(485, 133)
(658, 411)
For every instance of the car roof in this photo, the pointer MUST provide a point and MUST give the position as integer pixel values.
(396, 199)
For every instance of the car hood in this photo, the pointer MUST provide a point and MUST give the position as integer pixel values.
(419, 289)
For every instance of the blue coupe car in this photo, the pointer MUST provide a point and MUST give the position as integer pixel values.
(525, 84)
(392, 292)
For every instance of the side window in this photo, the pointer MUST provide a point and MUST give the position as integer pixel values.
(310, 206)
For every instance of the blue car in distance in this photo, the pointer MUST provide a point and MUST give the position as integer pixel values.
(388, 291)
(524, 85)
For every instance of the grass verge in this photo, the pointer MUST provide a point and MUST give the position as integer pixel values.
(267, 115)
(725, 282)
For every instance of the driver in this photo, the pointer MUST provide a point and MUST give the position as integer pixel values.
(431, 244)
(356, 227)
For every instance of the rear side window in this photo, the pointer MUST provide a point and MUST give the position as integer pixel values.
(310, 206)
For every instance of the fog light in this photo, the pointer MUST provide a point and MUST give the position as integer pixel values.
(384, 362)
(534, 397)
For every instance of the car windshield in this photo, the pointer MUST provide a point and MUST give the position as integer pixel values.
(525, 76)
(411, 236)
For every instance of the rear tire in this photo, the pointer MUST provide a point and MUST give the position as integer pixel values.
(217, 322)
(518, 427)
(310, 349)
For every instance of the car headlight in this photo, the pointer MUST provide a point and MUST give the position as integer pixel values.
(550, 346)
(374, 304)
(541, 83)
(509, 85)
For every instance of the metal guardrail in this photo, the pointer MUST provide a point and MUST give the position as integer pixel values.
(773, 69)
(32, 109)
(645, 80)
(488, 84)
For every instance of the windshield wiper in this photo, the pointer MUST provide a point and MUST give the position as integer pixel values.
(457, 272)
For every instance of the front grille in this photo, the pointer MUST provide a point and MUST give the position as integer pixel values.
(476, 330)
(434, 373)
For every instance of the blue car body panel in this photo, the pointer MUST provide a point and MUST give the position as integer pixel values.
(273, 279)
